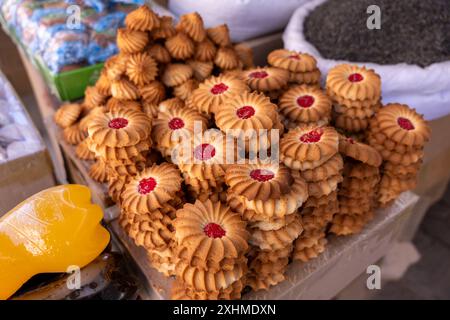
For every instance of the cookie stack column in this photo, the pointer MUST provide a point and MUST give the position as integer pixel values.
(302, 67)
(212, 242)
(399, 134)
(356, 95)
(314, 152)
(358, 190)
(120, 140)
(203, 160)
(148, 210)
(304, 105)
(267, 196)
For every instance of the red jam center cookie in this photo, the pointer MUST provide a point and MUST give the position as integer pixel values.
(405, 123)
(305, 101)
(204, 151)
(245, 112)
(261, 175)
(176, 123)
(258, 75)
(355, 77)
(219, 88)
(213, 230)
(146, 185)
(312, 136)
(118, 123)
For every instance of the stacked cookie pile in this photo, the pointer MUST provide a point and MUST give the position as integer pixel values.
(399, 134)
(314, 152)
(267, 196)
(302, 67)
(249, 118)
(356, 95)
(150, 201)
(203, 160)
(211, 245)
(358, 189)
(304, 105)
(120, 140)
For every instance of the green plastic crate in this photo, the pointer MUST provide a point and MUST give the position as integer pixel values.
(68, 85)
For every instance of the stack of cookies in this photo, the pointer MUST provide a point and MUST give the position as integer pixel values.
(203, 159)
(356, 95)
(271, 81)
(249, 118)
(399, 134)
(212, 242)
(304, 105)
(150, 201)
(267, 195)
(174, 125)
(357, 192)
(120, 140)
(302, 67)
(314, 152)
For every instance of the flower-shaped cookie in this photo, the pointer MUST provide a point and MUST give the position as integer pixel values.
(180, 46)
(214, 91)
(261, 181)
(354, 83)
(141, 68)
(142, 19)
(131, 41)
(292, 60)
(192, 25)
(308, 147)
(266, 78)
(152, 188)
(305, 104)
(119, 128)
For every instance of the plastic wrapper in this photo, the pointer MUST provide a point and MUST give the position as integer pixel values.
(43, 29)
(18, 136)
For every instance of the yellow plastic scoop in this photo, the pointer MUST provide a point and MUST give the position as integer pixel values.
(50, 231)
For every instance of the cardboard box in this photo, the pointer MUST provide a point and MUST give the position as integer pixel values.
(344, 259)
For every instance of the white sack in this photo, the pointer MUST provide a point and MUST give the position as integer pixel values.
(246, 19)
(425, 89)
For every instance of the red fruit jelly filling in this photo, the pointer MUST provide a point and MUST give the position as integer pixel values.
(261, 175)
(204, 151)
(405, 123)
(118, 123)
(312, 136)
(294, 56)
(176, 123)
(351, 140)
(213, 230)
(245, 112)
(258, 74)
(305, 101)
(146, 185)
(355, 77)
(219, 88)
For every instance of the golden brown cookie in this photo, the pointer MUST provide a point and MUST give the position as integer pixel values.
(324, 187)
(259, 181)
(165, 29)
(141, 68)
(220, 35)
(159, 53)
(82, 151)
(245, 54)
(266, 78)
(205, 51)
(182, 292)
(176, 74)
(214, 91)
(154, 92)
(97, 171)
(305, 104)
(351, 124)
(103, 84)
(142, 19)
(308, 147)
(330, 168)
(192, 25)
(308, 78)
(131, 41)
(246, 111)
(119, 128)
(359, 113)
(124, 89)
(359, 151)
(354, 83)
(73, 134)
(402, 125)
(202, 70)
(226, 58)
(151, 189)
(292, 60)
(209, 232)
(184, 90)
(180, 46)
(68, 114)
(93, 97)
(119, 153)
(320, 201)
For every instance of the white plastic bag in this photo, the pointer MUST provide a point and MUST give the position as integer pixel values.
(245, 18)
(425, 89)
